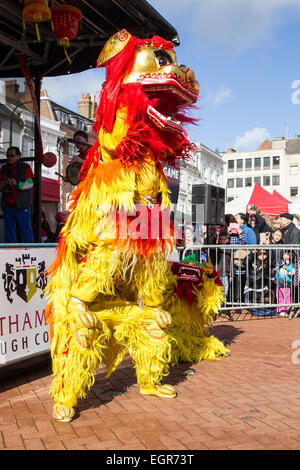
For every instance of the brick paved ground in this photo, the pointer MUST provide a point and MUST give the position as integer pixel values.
(249, 400)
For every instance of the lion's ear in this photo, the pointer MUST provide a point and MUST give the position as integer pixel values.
(113, 46)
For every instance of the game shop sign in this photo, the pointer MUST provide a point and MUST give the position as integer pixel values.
(23, 330)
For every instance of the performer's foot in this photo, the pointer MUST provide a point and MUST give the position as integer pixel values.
(164, 391)
(163, 318)
(63, 413)
(86, 318)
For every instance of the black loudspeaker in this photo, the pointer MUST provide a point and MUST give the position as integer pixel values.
(173, 179)
(208, 204)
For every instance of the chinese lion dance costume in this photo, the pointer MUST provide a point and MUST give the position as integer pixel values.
(112, 290)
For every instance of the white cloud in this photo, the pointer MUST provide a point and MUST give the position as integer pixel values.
(251, 140)
(221, 94)
(67, 89)
(234, 25)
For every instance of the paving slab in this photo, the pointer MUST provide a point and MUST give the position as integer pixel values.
(249, 400)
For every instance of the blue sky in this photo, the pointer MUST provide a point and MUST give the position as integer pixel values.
(245, 54)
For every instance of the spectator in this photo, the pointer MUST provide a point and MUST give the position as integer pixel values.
(276, 239)
(16, 182)
(268, 221)
(291, 235)
(296, 221)
(189, 235)
(229, 219)
(277, 223)
(258, 224)
(60, 222)
(252, 209)
(82, 145)
(223, 261)
(236, 237)
(47, 235)
(250, 234)
(284, 274)
(258, 287)
(264, 238)
(276, 236)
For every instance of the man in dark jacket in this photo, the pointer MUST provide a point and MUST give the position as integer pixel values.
(291, 235)
(258, 225)
(16, 182)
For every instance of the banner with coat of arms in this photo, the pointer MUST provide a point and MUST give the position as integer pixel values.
(23, 330)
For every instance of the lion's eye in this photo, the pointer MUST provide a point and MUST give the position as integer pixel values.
(162, 61)
(163, 57)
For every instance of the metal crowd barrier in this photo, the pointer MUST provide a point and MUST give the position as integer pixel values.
(259, 280)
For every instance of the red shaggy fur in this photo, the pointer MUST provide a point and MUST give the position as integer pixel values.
(142, 134)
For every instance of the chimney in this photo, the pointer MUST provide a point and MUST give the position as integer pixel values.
(266, 145)
(11, 87)
(87, 106)
(231, 150)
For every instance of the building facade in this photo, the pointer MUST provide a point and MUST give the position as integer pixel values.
(205, 167)
(69, 122)
(275, 165)
(57, 124)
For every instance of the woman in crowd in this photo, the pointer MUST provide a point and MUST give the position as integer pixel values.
(283, 276)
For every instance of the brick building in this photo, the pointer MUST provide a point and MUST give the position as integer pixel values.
(67, 123)
(70, 122)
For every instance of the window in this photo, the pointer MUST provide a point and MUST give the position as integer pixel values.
(248, 181)
(293, 169)
(229, 199)
(294, 191)
(266, 181)
(239, 164)
(72, 151)
(63, 117)
(276, 162)
(257, 163)
(257, 179)
(239, 182)
(276, 180)
(248, 164)
(267, 163)
(230, 183)
(230, 165)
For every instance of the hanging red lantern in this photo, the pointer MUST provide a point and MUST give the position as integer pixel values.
(65, 20)
(36, 11)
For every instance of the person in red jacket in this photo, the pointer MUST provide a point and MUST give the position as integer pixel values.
(16, 182)
(81, 139)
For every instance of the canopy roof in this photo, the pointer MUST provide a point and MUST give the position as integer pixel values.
(50, 190)
(268, 203)
(276, 194)
(100, 20)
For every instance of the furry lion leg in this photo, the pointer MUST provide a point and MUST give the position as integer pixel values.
(150, 349)
(77, 356)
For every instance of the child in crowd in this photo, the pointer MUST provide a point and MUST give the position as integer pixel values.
(258, 287)
(283, 276)
(277, 252)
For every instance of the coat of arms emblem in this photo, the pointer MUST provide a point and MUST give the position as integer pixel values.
(24, 277)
